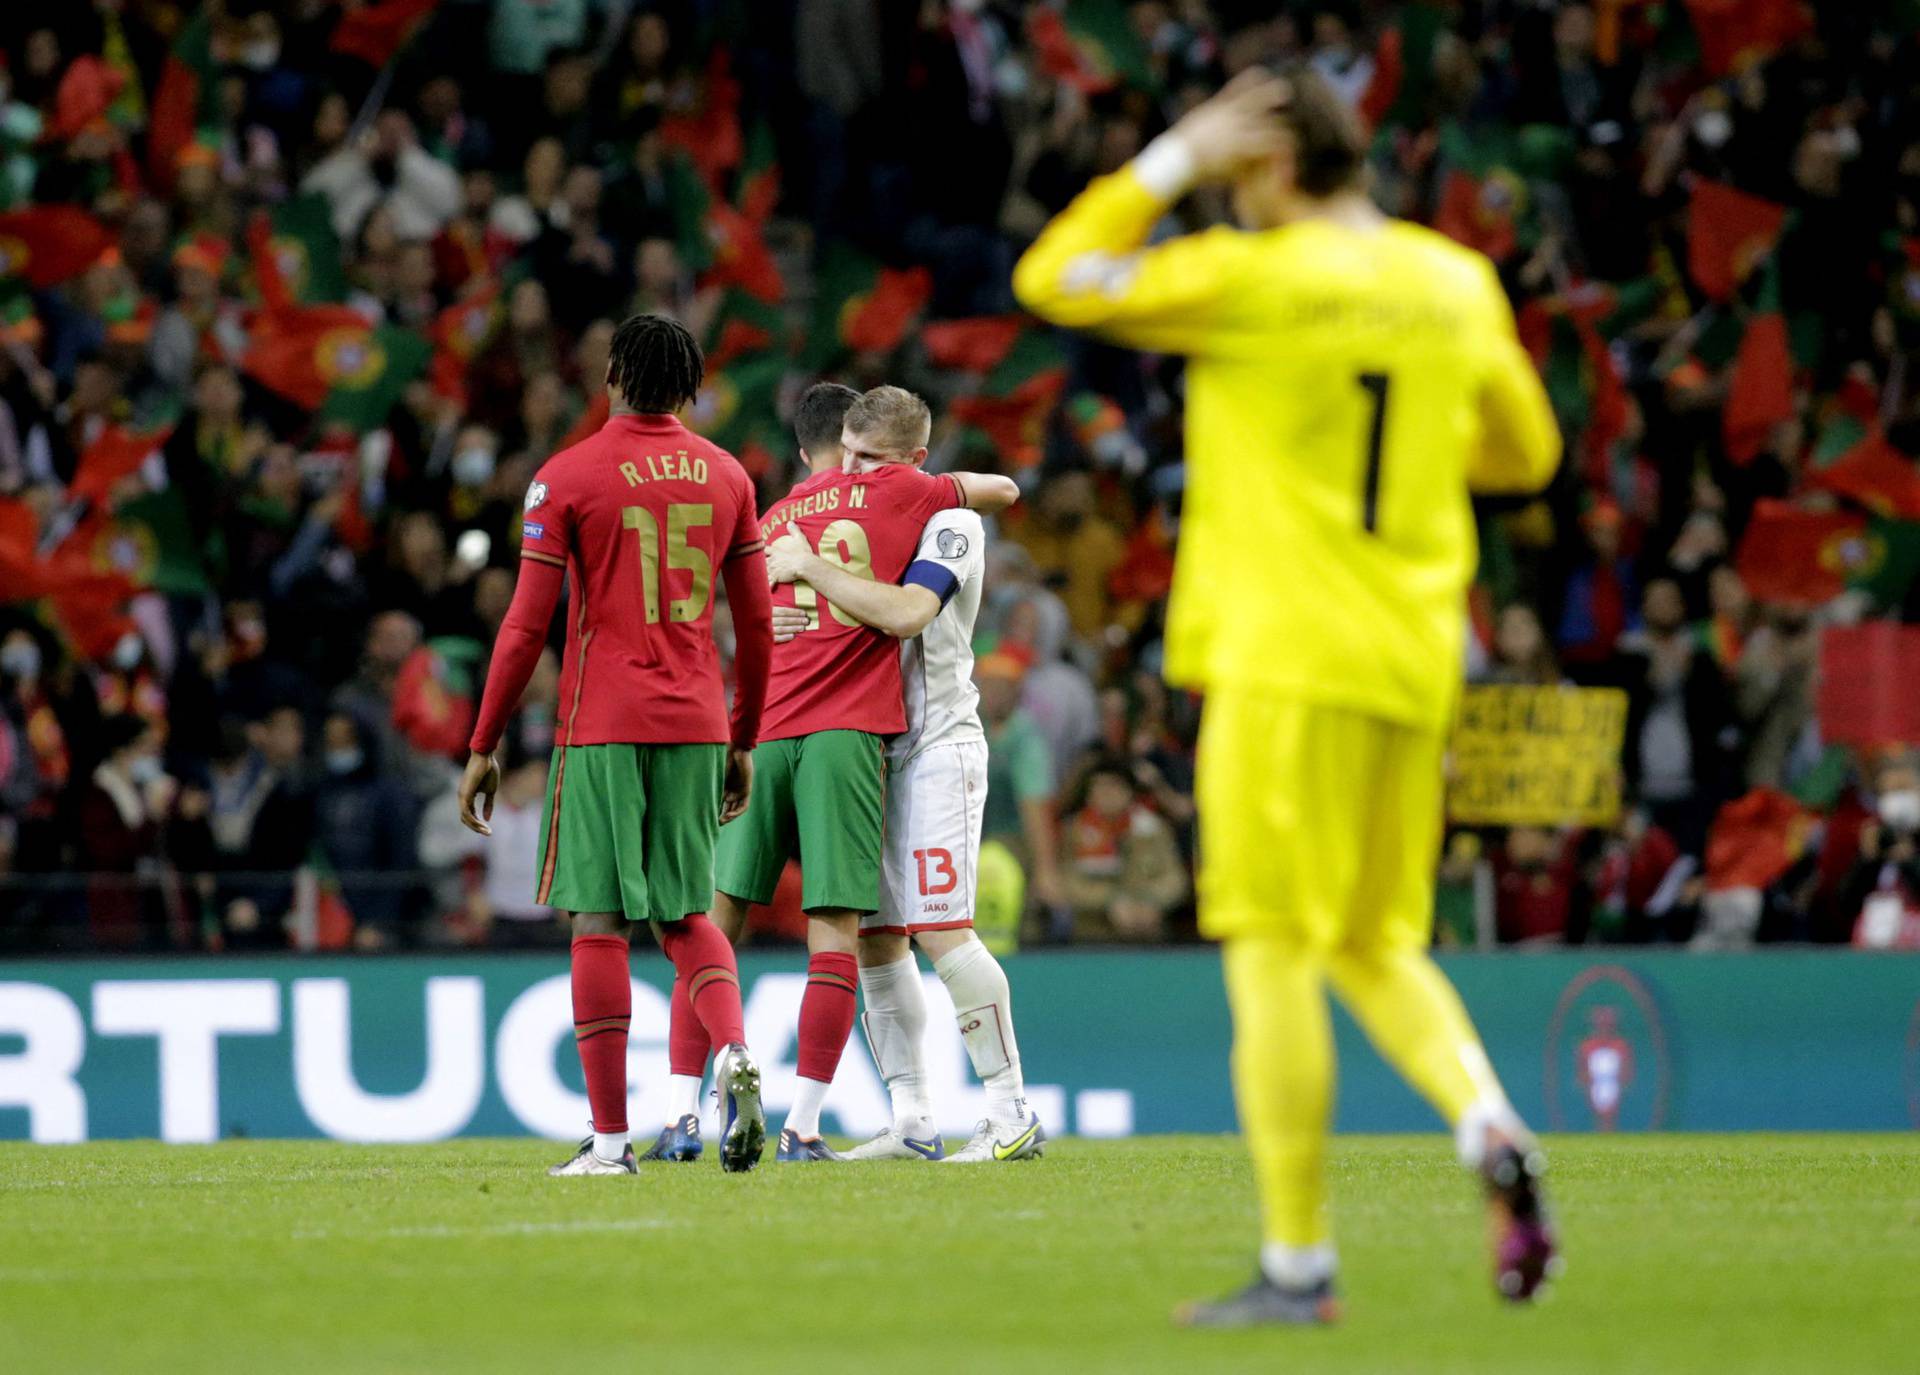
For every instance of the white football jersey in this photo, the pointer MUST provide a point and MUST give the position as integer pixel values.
(937, 664)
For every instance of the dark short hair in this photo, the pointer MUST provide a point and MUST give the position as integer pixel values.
(654, 363)
(822, 412)
(1330, 146)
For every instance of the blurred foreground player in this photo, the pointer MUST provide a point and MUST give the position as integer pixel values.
(646, 767)
(1351, 378)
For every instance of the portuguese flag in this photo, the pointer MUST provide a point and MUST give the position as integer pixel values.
(1810, 557)
(148, 542)
(862, 307)
(1728, 233)
(459, 332)
(709, 132)
(296, 255)
(1482, 196)
(743, 325)
(330, 360)
(1760, 393)
(1755, 840)
(376, 32)
(116, 453)
(1009, 415)
(739, 255)
(1091, 45)
(186, 99)
(1735, 34)
(45, 245)
(1874, 475)
(977, 344)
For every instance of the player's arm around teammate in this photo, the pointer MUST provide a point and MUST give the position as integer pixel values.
(935, 801)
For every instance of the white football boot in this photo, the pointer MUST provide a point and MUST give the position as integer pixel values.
(1022, 1140)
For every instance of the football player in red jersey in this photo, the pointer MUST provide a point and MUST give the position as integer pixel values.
(639, 518)
(834, 696)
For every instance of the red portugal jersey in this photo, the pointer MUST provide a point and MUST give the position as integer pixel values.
(839, 674)
(642, 515)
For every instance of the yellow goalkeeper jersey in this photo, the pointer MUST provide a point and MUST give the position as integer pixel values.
(1347, 387)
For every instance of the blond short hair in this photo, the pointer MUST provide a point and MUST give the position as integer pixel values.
(891, 418)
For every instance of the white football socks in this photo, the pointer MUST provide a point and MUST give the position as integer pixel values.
(984, 1006)
(895, 1021)
(683, 1096)
(1470, 1132)
(1297, 1267)
(804, 1117)
(610, 1146)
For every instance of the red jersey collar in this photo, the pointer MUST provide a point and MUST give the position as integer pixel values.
(652, 424)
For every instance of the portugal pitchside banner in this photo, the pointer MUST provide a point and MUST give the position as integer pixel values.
(420, 1049)
(1537, 756)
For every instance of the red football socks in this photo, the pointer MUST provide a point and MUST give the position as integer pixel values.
(704, 967)
(826, 1014)
(687, 1041)
(602, 1008)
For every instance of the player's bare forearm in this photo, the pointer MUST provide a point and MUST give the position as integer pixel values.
(987, 492)
(901, 612)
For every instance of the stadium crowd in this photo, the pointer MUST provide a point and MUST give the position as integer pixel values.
(298, 294)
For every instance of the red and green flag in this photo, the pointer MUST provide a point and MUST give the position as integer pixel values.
(758, 185)
(861, 306)
(1728, 234)
(1755, 839)
(1009, 416)
(375, 32)
(115, 454)
(740, 256)
(1092, 45)
(708, 130)
(296, 254)
(1483, 197)
(1794, 556)
(186, 99)
(743, 325)
(45, 245)
(738, 409)
(1402, 80)
(458, 333)
(1735, 34)
(433, 694)
(1875, 475)
(976, 344)
(330, 360)
(1760, 391)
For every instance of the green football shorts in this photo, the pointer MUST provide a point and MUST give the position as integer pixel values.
(818, 797)
(630, 828)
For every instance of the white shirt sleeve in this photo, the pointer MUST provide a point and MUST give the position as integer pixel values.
(957, 541)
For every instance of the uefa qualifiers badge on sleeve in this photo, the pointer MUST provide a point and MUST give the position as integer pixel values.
(951, 544)
(536, 495)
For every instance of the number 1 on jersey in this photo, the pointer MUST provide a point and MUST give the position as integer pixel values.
(1376, 385)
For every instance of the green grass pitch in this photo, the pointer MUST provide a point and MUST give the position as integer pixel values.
(1732, 1253)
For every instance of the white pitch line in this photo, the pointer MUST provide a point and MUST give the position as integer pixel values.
(493, 1229)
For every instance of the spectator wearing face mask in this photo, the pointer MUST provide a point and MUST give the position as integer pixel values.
(366, 824)
(1881, 894)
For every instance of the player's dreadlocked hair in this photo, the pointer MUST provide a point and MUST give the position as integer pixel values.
(654, 364)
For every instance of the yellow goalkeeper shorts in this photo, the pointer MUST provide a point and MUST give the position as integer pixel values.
(1318, 825)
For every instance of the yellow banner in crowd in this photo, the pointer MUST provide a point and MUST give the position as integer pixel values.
(1537, 756)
